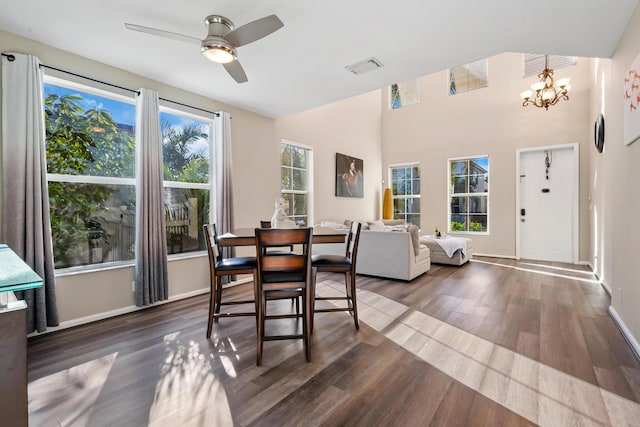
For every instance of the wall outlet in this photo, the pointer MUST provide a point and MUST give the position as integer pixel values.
(133, 286)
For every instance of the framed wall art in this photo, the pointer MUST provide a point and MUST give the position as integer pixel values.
(631, 101)
(349, 176)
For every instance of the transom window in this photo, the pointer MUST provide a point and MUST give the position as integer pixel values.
(295, 181)
(404, 93)
(469, 194)
(534, 63)
(405, 187)
(471, 76)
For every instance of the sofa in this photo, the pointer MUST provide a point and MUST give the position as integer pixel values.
(387, 254)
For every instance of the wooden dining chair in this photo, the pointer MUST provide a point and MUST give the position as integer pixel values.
(340, 264)
(267, 224)
(283, 276)
(220, 267)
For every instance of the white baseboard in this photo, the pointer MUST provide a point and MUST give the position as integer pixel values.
(495, 256)
(117, 312)
(626, 333)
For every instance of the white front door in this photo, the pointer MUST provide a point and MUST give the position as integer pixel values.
(548, 207)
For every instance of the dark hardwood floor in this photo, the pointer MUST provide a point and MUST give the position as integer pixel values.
(492, 343)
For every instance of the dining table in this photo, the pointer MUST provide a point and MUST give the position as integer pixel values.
(246, 236)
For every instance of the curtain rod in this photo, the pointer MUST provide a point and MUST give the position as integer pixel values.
(12, 58)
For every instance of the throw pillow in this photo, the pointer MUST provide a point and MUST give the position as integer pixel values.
(415, 237)
(393, 221)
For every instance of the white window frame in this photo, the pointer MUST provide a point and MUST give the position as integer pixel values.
(404, 196)
(195, 185)
(451, 194)
(408, 95)
(90, 179)
(310, 186)
(466, 67)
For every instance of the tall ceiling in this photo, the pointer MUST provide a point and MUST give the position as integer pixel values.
(302, 65)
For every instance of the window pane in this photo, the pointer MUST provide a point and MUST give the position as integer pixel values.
(477, 204)
(416, 186)
(459, 167)
(299, 179)
(185, 148)
(285, 178)
(479, 183)
(460, 184)
(413, 206)
(458, 222)
(288, 198)
(399, 205)
(299, 204)
(299, 157)
(87, 134)
(300, 220)
(186, 211)
(458, 205)
(416, 172)
(285, 155)
(91, 223)
(478, 223)
(413, 219)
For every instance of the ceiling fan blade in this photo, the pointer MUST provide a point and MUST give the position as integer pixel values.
(254, 30)
(162, 33)
(236, 71)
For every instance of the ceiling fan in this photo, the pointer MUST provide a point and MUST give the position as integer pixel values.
(222, 39)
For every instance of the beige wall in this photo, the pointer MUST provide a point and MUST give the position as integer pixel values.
(614, 181)
(489, 121)
(351, 127)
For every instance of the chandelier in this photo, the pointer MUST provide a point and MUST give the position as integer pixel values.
(546, 92)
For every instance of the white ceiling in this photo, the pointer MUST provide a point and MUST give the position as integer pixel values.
(302, 65)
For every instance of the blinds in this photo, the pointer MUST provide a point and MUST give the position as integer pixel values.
(534, 63)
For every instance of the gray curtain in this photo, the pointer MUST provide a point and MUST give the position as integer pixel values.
(224, 181)
(151, 282)
(26, 227)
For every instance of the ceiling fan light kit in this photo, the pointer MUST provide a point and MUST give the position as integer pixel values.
(222, 39)
(217, 50)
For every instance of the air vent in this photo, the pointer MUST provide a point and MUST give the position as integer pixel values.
(364, 66)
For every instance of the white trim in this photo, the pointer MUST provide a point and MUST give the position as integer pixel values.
(493, 256)
(297, 144)
(187, 185)
(576, 193)
(90, 179)
(626, 333)
(110, 93)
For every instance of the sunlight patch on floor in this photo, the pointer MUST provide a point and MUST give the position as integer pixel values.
(537, 392)
(529, 270)
(67, 397)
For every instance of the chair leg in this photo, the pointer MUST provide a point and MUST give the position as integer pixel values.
(314, 273)
(218, 295)
(354, 305)
(212, 299)
(306, 323)
(260, 313)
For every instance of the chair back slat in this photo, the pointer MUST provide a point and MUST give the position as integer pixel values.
(284, 262)
(352, 242)
(265, 224)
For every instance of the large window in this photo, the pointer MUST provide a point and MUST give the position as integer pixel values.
(405, 187)
(186, 155)
(466, 77)
(90, 147)
(90, 144)
(295, 177)
(469, 194)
